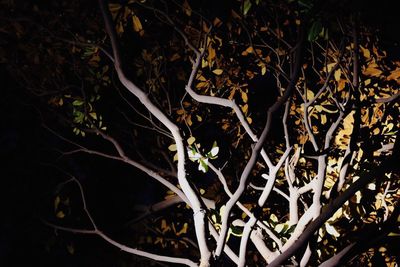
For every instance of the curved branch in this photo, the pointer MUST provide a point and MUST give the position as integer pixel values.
(198, 209)
(331, 208)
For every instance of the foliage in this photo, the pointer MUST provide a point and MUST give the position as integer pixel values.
(339, 122)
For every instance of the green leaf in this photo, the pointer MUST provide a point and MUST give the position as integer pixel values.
(246, 7)
(203, 165)
(314, 31)
(77, 103)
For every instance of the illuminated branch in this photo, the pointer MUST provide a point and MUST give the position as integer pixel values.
(257, 148)
(337, 203)
(122, 247)
(198, 210)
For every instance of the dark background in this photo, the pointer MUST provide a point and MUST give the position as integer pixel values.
(27, 185)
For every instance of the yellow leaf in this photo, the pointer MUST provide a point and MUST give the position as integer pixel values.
(394, 75)
(114, 7)
(341, 85)
(310, 94)
(244, 97)
(201, 84)
(217, 22)
(174, 57)
(191, 140)
(367, 82)
(245, 108)
(71, 249)
(217, 71)
(199, 119)
(211, 55)
(249, 50)
(60, 214)
(249, 120)
(365, 52)
(183, 230)
(337, 74)
(330, 66)
(120, 28)
(372, 70)
(93, 115)
(263, 70)
(187, 8)
(201, 78)
(172, 147)
(323, 118)
(189, 120)
(137, 25)
(204, 63)
(57, 201)
(175, 157)
(232, 94)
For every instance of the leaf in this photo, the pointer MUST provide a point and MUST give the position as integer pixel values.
(214, 151)
(337, 74)
(183, 230)
(341, 85)
(323, 119)
(189, 120)
(193, 155)
(310, 95)
(263, 70)
(365, 52)
(372, 70)
(201, 84)
(394, 75)
(93, 115)
(60, 214)
(244, 97)
(57, 201)
(199, 118)
(249, 50)
(217, 71)
(249, 120)
(175, 157)
(314, 31)
(77, 103)
(191, 140)
(203, 165)
(245, 108)
(137, 25)
(211, 56)
(246, 7)
(172, 147)
(174, 57)
(281, 227)
(273, 218)
(71, 249)
(331, 230)
(187, 8)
